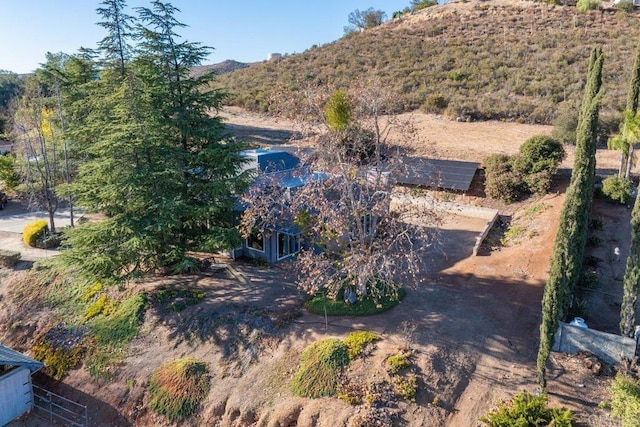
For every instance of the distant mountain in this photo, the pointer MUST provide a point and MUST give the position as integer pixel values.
(220, 68)
(479, 60)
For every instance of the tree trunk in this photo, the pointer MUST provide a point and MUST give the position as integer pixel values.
(622, 163)
(627, 173)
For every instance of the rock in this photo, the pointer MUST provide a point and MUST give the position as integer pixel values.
(593, 364)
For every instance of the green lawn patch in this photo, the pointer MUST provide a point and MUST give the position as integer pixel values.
(321, 304)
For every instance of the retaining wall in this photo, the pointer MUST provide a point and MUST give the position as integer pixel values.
(610, 348)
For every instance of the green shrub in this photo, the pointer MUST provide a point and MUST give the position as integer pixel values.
(320, 365)
(589, 280)
(9, 258)
(506, 186)
(8, 173)
(34, 231)
(398, 362)
(338, 111)
(538, 161)
(624, 5)
(565, 124)
(457, 75)
(527, 410)
(617, 188)
(357, 341)
(178, 299)
(501, 181)
(587, 5)
(625, 400)
(541, 149)
(176, 388)
(435, 104)
(406, 387)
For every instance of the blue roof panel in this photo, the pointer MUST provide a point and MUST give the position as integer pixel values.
(10, 357)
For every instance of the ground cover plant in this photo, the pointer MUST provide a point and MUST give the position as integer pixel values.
(357, 341)
(322, 303)
(527, 410)
(320, 364)
(177, 387)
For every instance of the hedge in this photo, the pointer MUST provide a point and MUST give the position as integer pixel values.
(9, 258)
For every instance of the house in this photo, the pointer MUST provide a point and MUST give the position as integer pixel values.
(16, 390)
(284, 170)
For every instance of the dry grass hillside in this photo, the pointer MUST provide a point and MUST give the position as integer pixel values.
(498, 59)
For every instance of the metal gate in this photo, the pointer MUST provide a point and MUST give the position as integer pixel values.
(57, 409)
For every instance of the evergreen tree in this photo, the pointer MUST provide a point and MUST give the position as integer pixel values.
(115, 46)
(632, 271)
(568, 250)
(158, 165)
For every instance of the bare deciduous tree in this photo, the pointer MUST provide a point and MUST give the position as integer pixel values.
(358, 230)
(40, 143)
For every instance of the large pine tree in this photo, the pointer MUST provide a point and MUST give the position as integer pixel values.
(158, 166)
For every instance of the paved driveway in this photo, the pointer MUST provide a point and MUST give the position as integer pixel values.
(16, 215)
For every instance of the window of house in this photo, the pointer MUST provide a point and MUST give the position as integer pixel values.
(288, 244)
(255, 241)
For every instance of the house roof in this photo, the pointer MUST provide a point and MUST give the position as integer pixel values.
(10, 357)
(270, 160)
(300, 180)
(446, 174)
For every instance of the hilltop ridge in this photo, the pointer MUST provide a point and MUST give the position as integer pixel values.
(480, 60)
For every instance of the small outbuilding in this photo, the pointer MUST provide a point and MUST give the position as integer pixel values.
(16, 390)
(453, 175)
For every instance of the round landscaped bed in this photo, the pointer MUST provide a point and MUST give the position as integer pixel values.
(323, 304)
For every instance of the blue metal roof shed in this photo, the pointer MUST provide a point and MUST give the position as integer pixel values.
(10, 357)
(16, 391)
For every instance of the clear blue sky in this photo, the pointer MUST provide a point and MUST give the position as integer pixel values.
(242, 30)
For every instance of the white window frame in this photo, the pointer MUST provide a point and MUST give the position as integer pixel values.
(290, 237)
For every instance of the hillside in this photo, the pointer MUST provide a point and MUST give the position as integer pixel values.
(220, 68)
(480, 60)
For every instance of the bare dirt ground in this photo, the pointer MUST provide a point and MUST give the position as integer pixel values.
(473, 328)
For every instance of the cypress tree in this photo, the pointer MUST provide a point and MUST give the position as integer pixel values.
(631, 276)
(634, 85)
(568, 250)
(631, 283)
